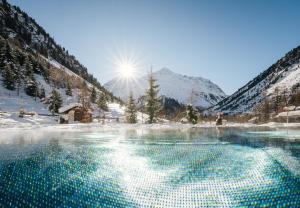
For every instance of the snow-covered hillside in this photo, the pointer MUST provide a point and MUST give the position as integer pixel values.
(33, 66)
(284, 76)
(201, 92)
(12, 101)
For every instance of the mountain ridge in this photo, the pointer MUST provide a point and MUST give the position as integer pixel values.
(282, 76)
(32, 64)
(185, 89)
(18, 25)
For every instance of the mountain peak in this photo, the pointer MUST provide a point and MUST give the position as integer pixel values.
(204, 92)
(165, 71)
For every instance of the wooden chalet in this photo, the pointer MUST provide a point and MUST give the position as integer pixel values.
(73, 113)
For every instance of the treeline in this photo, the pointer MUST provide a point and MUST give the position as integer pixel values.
(18, 70)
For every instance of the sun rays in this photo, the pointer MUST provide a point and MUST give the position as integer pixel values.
(126, 66)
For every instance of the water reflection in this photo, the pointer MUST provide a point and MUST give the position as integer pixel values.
(150, 168)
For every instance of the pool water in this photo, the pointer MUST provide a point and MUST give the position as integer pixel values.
(144, 168)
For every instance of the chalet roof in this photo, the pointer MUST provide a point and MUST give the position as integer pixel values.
(69, 107)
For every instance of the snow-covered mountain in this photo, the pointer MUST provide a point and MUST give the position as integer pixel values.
(32, 64)
(185, 89)
(282, 77)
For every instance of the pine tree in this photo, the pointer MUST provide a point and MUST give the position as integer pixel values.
(191, 114)
(102, 103)
(152, 102)
(8, 77)
(93, 95)
(8, 54)
(131, 110)
(55, 101)
(69, 89)
(42, 93)
(31, 87)
(20, 59)
(2, 55)
(7, 64)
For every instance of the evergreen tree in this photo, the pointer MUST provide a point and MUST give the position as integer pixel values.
(131, 110)
(102, 103)
(2, 55)
(191, 114)
(69, 89)
(31, 87)
(8, 77)
(93, 95)
(8, 54)
(7, 64)
(20, 59)
(42, 93)
(152, 101)
(35, 66)
(55, 101)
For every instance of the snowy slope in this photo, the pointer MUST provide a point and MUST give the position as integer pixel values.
(11, 102)
(52, 65)
(202, 92)
(288, 79)
(284, 75)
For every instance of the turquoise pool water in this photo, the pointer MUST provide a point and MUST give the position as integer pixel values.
(135, 168)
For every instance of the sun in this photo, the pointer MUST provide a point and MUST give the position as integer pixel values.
(126, 65)
(127, 70)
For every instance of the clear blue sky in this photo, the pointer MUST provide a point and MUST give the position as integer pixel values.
(226, 41)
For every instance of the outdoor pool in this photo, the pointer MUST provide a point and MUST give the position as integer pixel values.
(150, 168)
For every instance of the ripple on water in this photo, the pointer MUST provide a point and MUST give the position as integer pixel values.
(155, 169)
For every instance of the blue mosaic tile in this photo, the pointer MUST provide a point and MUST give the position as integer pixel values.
(200, 168)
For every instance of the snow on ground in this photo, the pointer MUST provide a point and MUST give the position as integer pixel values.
(115, 111)
(10, 101)
(290, 78)
(11, 121)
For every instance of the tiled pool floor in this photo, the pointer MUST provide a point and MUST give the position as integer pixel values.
(197, 168)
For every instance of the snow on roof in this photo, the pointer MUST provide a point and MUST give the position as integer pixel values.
(69, 107)
(295, 113)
